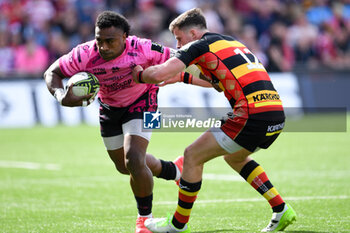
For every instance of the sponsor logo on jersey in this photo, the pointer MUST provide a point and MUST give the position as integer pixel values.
(99, 71)
(118, 86)
(115, 69)
(86, 48)
(132, 54)
(132, 65)
(157, 47)
(265, 96)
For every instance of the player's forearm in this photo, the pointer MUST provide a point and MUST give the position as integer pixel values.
(154, 74)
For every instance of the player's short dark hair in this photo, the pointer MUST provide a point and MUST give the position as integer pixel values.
(193, 17)
(112, 19)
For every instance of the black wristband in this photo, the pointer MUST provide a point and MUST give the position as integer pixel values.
(139, 77)
(186, 77)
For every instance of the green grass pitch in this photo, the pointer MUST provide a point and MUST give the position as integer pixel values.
(61, 180)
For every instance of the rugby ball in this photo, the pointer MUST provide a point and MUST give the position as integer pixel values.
(84, 83)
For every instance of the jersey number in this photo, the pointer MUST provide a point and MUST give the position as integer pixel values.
(250, 65)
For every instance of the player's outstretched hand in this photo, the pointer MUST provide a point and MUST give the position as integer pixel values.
(71, 100)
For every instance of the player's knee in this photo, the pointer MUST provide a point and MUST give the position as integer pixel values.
(190, 156)
(134, 162)
(117, 156)
(122, 169)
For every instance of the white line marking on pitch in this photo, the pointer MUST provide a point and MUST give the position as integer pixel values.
(29, 165)
(305, 198)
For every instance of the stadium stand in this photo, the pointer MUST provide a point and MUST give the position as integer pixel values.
(286, 35)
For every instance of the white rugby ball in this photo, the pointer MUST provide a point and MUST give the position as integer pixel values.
(84, 83)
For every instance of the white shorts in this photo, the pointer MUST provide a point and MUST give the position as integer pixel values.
(225, 141)
(132, 127)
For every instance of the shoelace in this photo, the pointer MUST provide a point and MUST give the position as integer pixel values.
(272, 223)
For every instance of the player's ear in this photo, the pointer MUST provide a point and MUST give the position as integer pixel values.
(193, 34)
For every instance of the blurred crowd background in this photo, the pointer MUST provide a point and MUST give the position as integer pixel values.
(286, 35)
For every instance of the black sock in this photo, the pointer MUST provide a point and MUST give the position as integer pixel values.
(168, 170)
(278, 208)
(144, 205)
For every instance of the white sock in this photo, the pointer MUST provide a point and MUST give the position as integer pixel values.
(145, 216)
(178, 174)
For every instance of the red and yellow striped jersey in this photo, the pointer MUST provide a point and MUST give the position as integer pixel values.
(238, 72)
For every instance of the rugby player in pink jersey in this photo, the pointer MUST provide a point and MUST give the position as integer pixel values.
(111, 58)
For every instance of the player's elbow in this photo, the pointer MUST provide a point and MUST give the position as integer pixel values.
(47, 73)
(53, 70)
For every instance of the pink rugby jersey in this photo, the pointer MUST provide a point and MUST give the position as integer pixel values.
(117, 87)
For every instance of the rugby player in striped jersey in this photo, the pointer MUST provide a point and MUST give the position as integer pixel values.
(256, 121)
